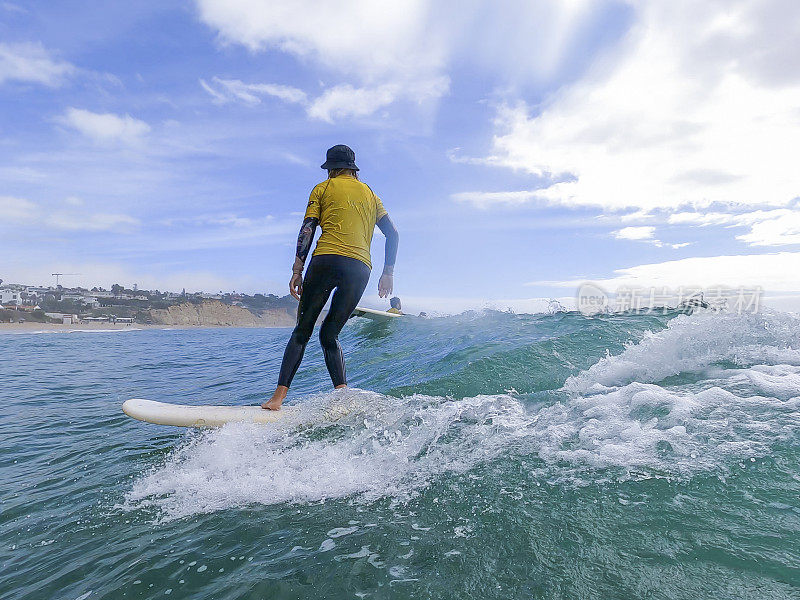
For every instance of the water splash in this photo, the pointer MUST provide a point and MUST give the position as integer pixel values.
(691, 344)
(375, 446)
(611, 421)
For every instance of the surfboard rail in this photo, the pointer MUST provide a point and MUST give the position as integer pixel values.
(186, 415)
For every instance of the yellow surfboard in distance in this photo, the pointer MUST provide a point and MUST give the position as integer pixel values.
(375, 315)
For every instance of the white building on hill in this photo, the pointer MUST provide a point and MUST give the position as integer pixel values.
(10, 297)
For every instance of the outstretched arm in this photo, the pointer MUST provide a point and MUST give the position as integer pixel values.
(304, 239)
(386, 283)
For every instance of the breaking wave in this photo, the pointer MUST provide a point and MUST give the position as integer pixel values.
(701, 393)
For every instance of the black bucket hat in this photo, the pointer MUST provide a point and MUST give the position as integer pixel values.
(340, 157)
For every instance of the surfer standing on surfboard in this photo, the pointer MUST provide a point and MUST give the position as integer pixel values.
(347, 211)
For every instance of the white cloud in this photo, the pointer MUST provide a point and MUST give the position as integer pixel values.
(637, 215)
(779, 231)
(699, 104)
(645, 234)
(80, 221)
(223, 230)
(15, 8)
(774, 272)
(14, 210)
(31, 63)
(412, 40)
(353, 36)
(226, 90)
(337, 102)
(489, 199)
(701, 219)
(403, 51)
(347, 101)
(219, 96)
(635, 233)
(776, 227)
(704, 219)
(105, 127)
(20, 211)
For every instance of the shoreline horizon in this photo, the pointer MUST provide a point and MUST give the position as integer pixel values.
(32, 327)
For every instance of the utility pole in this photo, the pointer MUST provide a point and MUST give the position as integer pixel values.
(57, 275)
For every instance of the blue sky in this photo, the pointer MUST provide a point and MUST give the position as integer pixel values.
(520, 148)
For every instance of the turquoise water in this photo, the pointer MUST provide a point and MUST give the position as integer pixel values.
(496, 456)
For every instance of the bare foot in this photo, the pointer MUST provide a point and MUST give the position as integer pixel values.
(338, 387)
(275, 402)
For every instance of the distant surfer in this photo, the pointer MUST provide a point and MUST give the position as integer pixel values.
(347, 211)
(395, 306)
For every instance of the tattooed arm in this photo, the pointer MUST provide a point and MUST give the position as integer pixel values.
(304, 239)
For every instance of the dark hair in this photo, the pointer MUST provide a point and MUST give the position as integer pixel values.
(336, 172)
(395, 302)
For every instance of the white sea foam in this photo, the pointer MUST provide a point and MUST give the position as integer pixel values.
(691, 344)
(780, 381)
(355, 443)
(639, 429)
(663, 432)
(613, 422)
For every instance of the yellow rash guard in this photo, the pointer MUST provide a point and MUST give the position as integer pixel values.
(347, 211)
(395, 311)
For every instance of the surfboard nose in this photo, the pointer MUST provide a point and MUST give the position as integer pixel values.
(132, 407)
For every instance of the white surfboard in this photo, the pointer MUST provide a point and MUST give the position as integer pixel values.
(184, 415)
(376, 315)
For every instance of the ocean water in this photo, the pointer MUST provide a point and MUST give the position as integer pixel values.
(486, 455)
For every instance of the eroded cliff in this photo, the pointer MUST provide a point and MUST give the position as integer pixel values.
(213, 313)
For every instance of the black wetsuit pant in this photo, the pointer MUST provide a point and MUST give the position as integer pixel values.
(349, 277)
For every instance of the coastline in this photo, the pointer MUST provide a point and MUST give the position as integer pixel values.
(205, 315)
(32, 327)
